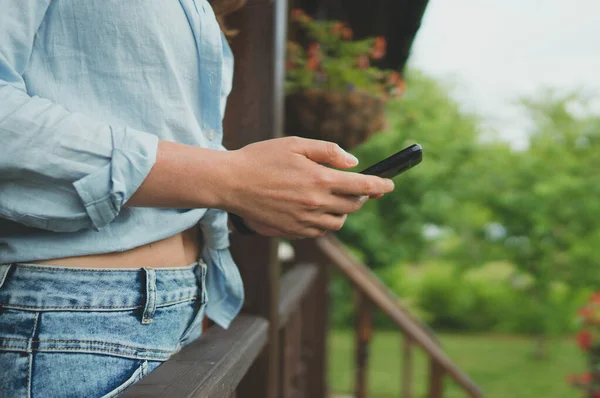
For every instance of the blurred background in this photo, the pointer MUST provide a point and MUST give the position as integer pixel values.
(493, 240)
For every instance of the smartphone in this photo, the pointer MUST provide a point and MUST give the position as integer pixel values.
(397, 163)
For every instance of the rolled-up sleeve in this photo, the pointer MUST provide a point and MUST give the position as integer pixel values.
(59, 170)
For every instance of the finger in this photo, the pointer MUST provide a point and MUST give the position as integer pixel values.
(329, 222)
(346, 183)
(266, 230)
(376, 196)
(325, 152)
(312, 232)
(343, 204)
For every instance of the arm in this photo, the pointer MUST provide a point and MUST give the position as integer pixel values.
(277, 186)
(79, 172)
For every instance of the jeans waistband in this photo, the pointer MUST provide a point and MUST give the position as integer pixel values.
(54, 288)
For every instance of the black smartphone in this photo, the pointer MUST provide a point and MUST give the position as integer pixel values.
(397, 163)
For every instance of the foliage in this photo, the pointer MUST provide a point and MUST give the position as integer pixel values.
(333, 61)
(588, 339)
(495, 362)
(472, 203)
(492, 297)
(390, 230)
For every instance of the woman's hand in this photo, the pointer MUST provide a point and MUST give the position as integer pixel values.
(280, 189)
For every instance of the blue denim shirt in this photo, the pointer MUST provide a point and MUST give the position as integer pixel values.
(87, 89)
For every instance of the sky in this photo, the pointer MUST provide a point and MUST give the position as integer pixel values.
(496, 51)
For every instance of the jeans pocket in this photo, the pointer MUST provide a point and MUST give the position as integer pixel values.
(79, 374)
(134, 378)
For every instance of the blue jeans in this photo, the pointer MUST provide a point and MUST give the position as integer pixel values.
(77, 332)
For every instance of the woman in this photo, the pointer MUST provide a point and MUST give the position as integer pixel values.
(110, 159)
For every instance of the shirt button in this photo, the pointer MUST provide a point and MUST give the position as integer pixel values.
(211, 134)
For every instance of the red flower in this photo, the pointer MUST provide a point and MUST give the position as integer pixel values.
(394, 78)
(297, 13)
(597, 394)
(595, 298)
(584, 339)
(347, 33)
(379, 48)
(314, 56)
(313, 49)
(585, 378)
(300, 16)
(337, 28)
(363, 61)
(585, 312)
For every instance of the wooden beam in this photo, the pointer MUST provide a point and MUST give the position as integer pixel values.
(212, 366)
(255, 113)
(364, 330)
(290, 385)
(315, 308)
(436, 379)
(295, 286)
(407, 368)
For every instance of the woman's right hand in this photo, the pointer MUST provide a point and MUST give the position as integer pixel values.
(280, 188)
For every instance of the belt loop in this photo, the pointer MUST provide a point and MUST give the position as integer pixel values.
(150, 296)
(4, 268)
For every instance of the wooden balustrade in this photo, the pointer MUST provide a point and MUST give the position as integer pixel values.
(364, 325)
(371, 292)
(407, 368)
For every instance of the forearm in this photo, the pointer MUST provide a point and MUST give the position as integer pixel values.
(184, 177)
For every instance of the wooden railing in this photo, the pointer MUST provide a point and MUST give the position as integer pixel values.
(371, 293)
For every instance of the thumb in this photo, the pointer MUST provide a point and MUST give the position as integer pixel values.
(326, 152)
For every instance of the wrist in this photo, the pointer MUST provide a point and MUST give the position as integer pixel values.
(227, 178)
(218, 189)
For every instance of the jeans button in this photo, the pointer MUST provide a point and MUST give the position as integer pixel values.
(211, 134)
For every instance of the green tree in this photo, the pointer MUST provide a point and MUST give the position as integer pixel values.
(549, 202)
(537, 208)
(391, 229)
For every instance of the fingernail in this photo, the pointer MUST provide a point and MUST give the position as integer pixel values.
(351, 159)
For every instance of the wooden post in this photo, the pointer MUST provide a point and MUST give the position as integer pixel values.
(407, 373)
(317, 367)
(255, 113)
(290, 385)
(315, 312)
(363, 337)
(436, 379)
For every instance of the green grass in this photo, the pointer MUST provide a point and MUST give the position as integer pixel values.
(502, 366)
